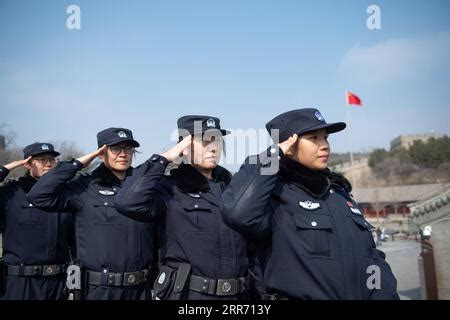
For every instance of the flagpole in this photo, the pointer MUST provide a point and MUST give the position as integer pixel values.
(350, 138)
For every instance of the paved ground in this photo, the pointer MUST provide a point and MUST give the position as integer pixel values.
(402, 257)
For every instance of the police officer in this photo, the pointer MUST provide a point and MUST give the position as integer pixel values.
(115, 253)
(201, 257)
(317, 244)
(35, 243)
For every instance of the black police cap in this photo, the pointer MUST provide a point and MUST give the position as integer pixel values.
(195, 124)
(112, 136)
(300, 121)
(39, 148)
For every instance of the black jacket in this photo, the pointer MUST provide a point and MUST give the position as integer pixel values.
(105, 239)
(317, 244)
(188, 208)
(32, 236)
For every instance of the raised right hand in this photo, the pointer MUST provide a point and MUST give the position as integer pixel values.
(16, 164)
(180, 149)
(87, 159)
(288, 146)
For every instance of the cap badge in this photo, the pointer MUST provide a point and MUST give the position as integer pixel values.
(319, 116)
(45, 147)
(210, 123)
(122, 134)
(308, 205)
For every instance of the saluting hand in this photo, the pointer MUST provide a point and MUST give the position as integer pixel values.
(180, 149)
(16, 164)
(87, 159)
(288, 146)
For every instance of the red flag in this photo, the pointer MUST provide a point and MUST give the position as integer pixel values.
(353, 99)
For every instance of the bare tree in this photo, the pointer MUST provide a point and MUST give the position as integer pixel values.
(68, 149)
(9, 153)
(7, 136)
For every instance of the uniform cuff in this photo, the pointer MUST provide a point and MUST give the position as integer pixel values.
(3, 171)
(75, 163)
(273, 151)
(156, 158)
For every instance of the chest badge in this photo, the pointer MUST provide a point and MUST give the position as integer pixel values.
(308, 205)
(194, 195)
(107, 192)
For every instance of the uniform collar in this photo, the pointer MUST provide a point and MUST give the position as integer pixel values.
(190, 180)
(316, 183)
(27, 182)
(313, 182)
(104, 176)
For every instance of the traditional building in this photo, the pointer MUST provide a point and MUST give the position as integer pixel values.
(392, 203)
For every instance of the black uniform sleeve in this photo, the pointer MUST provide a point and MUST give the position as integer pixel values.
(139, 197)
(53, 190)
(246, 198)
(3, 173)
(388, 285)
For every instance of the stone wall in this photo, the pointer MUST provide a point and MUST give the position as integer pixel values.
(435, 211)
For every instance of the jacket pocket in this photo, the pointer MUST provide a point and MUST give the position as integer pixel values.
(29, 214)
(196, 205)
(106, 214)
(200, 214)
(314, 232)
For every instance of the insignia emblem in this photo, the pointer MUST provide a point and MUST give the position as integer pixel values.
(356, 211)
(106, 192)
(122, 134)
(131, 278)
(226, 287)
(210, 123)
(319, 116)
(308, 205)
(161, 278)
(45, 147)
(194, 195)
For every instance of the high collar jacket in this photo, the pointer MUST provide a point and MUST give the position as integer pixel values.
(105, 239)
(31, 235)
(316, 244)
(188, 208)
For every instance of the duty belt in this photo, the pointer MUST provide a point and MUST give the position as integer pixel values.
(117, 279)
(218, 287)
(36, 270)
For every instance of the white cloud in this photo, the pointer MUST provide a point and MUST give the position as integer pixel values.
(397, 59)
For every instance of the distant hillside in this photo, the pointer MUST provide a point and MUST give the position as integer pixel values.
(340, 158)
(422, 163)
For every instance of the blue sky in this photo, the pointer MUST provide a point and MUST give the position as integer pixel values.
(143, 64)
